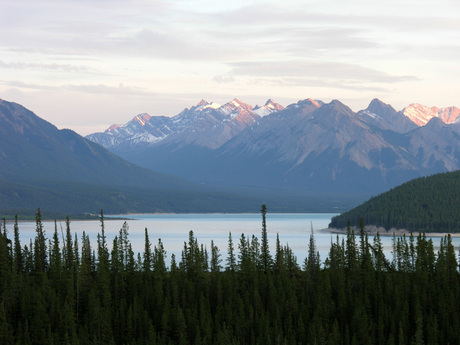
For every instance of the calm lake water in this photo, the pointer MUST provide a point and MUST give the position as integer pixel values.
(294, 229)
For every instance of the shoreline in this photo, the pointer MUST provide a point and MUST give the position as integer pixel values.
(373, 230)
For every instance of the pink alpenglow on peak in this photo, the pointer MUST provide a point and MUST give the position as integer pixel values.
(421, 115)
(314, 102)
(142, 119)
(113, 127)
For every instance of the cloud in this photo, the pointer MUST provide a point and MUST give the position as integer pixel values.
(98, 89)
(120, 90)
(30, 86)
(221, 79)
(40, 66)
(314, 69)
(76, 49)
(217, 31)
(344, 85)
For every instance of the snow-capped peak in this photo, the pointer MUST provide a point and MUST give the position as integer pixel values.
(269, 107)
(236, 102)
(203, 104)
(212, 105)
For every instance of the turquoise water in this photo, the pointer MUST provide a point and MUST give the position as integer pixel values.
(294, 229)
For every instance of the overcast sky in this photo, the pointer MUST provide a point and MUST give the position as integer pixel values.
(87, 64)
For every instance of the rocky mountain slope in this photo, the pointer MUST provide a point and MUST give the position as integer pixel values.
(421, 115)
(309, 146)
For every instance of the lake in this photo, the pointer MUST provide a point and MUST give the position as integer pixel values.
(294, 229)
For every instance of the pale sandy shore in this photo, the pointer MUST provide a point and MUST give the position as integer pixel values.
(373, 230)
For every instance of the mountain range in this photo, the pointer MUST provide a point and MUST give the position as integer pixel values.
(309, 147)
(309, 156)
(61, 172)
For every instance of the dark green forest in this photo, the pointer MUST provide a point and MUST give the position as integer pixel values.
(425, 204)
(64, 290)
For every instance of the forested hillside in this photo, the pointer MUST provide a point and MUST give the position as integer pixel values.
(426, 204)
(77, 293)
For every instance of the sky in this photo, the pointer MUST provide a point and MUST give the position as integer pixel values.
(87, 64)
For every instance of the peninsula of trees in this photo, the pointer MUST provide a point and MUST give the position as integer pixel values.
(425, 204)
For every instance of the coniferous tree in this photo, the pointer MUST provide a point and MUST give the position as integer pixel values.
(365, 255)
(347, 303)
(379, 260)
(159, 258)
(231, 261)
(55, 255)
(40, 252)
(254, 252)
(86, 257)
(350, 250)
(215, 258)
(265, 257)
(102, 251)
(68, 248)
(280, 255)
(18, 256)
(147, 263)
(312, 261)
(4, 259)
(244, 260)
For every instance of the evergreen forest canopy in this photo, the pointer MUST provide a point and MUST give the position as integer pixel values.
(425, 204)
(72, 293)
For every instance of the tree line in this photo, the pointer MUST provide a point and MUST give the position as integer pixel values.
(425, 204)
(55, 291)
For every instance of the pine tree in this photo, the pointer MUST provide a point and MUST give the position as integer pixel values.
(312, 261)
(40, 251)
(231, 261)
(4, 260)
(380, 262)
(244, 261)
(18, 256)
(55, 255)
(350, 250)
(265, 257)
(102, 251)
(159, 258)
(68, 248)
(147, 263)
(279, 257)
(215, 258)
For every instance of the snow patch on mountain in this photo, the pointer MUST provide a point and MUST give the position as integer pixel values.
(268, 108)
(368, 113)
